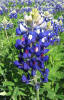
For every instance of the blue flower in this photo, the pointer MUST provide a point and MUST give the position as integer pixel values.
(26, 54)
(37, 49)
(26, 66)
(44, 51)
(18, 44)
(44, 77)
(45, 80)
(24, 79)
(16, 63)
(18, 32)
(1, 11)
(13, 14)
(33, 72)
(21, 30)
(33, 63)
(46, 70)
(45, 58)
(58, 7)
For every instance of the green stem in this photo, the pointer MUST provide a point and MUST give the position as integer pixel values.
(37, 94)
(37, 90)
(19, 97)
(6, 34)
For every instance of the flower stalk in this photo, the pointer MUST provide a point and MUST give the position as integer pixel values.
(36, 87)
(6, 32)
(37, 94)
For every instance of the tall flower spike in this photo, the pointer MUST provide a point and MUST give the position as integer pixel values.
(33, 46)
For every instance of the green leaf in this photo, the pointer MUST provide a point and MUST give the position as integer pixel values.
(21, 93)
(15, 93)
(1, 71)
(60, 97)
(8, 83)
(3, 93)
(57, 87)
(51, 94)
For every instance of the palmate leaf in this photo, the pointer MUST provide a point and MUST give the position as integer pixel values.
(55, 75)
(47, 85)
(17, 93)
(51, 94)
